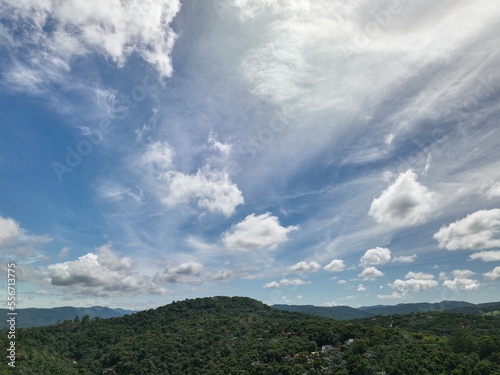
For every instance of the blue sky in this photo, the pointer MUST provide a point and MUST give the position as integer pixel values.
(302, 152)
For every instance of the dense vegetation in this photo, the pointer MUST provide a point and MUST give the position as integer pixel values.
(224, 335)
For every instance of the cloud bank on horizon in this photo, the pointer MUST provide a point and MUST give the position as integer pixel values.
(295, 151)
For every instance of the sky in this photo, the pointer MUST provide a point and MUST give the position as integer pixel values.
(301, 152)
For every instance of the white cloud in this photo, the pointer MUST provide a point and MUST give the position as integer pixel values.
(461, 280)
(223, 148)
(101, 274)
(479, 230)
(341, 282)
(184, 273)
(110, 259)
(371, 273)
(491, 190)
(300, 297)
(271, 285)
(9, 230)
(414, 282)
(256, 232)
(286, 282)
(336, 265)
(64, 252)
(158, 156)
(59, 32)
(419, 276)
(222, 275)
(393, 295)
(494, 274)
(210, 189)
(17, 241)
(487, 256)
(330, 304)
(405, 202)
(405, 258)
(377, 255)
(361, 288)
(305, 267)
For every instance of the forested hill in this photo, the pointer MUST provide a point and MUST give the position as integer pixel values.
(346, 312)
(236, 335)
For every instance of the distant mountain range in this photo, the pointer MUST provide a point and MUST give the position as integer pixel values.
(346, 312)
(37, 317)
(34, 317)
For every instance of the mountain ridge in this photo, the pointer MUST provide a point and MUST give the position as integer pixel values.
(38, 317)
(347, 313)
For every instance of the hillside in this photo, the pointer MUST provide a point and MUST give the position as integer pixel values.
(346, 312)
(237, 335)
(33, 317)
(334, 312)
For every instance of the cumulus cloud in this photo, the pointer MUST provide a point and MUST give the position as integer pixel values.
(111, 259)
(256, 232)
(305, 267)
(101, 274)
(271, 285)
(286, 282)
(371, 273)
(9, 230)
(184, 273)
(494, 274)
(479, 230)
(414, 282)
(405, 258)
(377, 255)
(222, 275)
(341, 282)
(361, 288)
(460, 280)
(330, 304)
(406, 202)
(487, 256)
(60, 32)
(336, 265)
(210, 189)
